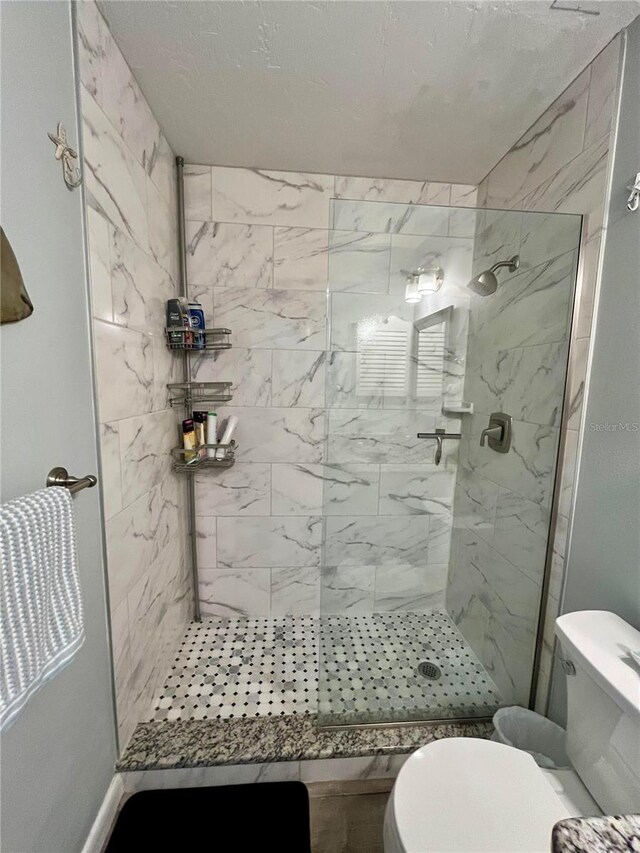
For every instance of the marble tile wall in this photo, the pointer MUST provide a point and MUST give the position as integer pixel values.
(331, 491)
(561, 164)
(131, 215)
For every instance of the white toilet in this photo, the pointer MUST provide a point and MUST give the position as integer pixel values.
(466, 795)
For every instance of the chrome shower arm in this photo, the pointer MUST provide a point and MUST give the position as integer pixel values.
(512, 264)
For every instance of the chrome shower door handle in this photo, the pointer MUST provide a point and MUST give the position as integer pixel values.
(499, 432)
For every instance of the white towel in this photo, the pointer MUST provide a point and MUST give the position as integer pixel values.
(41, 619)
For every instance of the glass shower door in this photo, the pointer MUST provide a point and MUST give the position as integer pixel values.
(394, 619)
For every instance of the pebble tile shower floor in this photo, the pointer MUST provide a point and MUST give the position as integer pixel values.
(368, 670)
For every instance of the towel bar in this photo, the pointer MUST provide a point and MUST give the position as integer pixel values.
(61, 477)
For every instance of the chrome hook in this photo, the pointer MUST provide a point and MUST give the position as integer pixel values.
(633, 202)
(63, 152)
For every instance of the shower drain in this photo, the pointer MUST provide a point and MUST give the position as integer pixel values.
(428, 670)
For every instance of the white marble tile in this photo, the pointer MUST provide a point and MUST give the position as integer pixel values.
(359, 435)
(475, 504)
(385, 217)
(602, 92)
(351, 489)
(111, 477)
(589, 276)
(277, 541)
(166, 368)
(206, 540)
(376, 540)
(198, 777)
(439, 544)
(342, 384)
(508, 660)
(533, 309)
(497, 238)
(453, 255)
(272, 319)
(295, 592)
(106, 75)
(352, 769)
(347, 589)
(577, 187)
(579, 357)
(535, 389)
(297, 489)
(278, 435)
(229, 255)
(529, 466)
(138, 534)
(112, 176)
(464, 195)
(415, 489)
(248, 369)
(546, 235)
(409, 588)
(140, 286)
(521, 531)
(229, 592)
(568, 470)
(163, 232)
(298, 379)
(197, 192)
(462, 222)
(467, 611)
(145, 450)
(300, 258)
(99, 266)
(259, 197)
(554, 139)
(387, 189)
(359, 261)
(161, 168)
(244, 489)
(124, 372)
(355, 315)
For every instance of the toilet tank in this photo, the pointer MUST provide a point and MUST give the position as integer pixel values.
(603, 706)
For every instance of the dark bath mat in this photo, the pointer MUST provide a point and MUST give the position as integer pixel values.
(225, 819)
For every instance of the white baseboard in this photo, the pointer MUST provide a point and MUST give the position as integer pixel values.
(104, 820)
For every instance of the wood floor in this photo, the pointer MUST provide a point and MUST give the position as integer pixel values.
(347, 817)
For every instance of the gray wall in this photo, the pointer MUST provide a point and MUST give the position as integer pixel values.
(58, 756)
(604, 558)
(603, 564)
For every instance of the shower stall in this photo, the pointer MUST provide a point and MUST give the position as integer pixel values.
(431, 495)
(444, 322)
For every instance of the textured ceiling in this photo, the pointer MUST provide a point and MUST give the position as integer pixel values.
(398, 89)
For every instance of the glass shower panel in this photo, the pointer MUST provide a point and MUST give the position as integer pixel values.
(410, 347)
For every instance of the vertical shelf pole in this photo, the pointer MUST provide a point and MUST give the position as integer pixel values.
(186, 356)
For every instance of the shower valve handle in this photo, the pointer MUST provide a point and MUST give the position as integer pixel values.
(491, 432)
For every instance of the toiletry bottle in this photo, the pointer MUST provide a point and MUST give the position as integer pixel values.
(175, 323)
(197, 322)
(200, 424)
(189, 441)
(227, 435)
(212, 433)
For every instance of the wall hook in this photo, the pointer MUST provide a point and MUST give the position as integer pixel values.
(70, 171)
(633, 202)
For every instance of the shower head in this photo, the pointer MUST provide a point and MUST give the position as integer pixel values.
(486, 282)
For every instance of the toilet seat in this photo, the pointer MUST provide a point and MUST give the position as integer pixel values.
(466, 795)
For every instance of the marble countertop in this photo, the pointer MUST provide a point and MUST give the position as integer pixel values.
(607, 834)
(205, 743)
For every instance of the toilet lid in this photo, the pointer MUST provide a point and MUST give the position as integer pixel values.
(466, 795)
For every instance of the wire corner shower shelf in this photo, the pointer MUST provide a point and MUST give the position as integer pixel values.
(198, 340)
